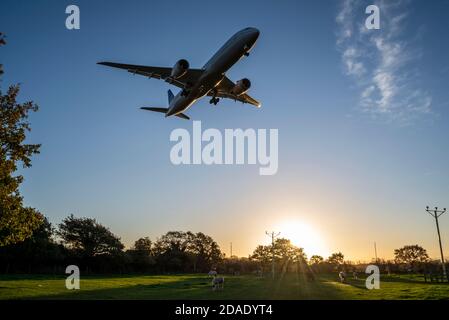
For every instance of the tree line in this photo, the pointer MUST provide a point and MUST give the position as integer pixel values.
(95, 249)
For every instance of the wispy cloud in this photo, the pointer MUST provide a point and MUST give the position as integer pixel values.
(382, 62)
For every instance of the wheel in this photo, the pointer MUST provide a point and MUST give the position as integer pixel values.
(214, 101)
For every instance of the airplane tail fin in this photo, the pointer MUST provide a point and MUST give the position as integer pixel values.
(170, 96)
(165, 110)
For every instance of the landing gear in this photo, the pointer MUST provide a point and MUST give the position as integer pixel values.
(186, 90)
(246, 48)
(214, 101)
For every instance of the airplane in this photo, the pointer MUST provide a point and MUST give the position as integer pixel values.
(210, 80)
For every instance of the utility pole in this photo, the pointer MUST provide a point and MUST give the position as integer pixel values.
(375, 251)
(436, 214)
(231, 249)
(273, 235)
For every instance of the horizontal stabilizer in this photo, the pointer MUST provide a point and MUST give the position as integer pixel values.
(182, 115)
(161, 110)
(164, 110)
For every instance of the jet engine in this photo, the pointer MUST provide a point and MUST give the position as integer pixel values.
(179, 69)
(241, 87)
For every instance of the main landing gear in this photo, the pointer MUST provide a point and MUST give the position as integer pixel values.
(186, 90)
(214, 101)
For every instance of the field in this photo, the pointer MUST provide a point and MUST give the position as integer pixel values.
(197, 286)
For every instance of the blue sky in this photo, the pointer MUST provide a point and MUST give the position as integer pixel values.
(362, 119)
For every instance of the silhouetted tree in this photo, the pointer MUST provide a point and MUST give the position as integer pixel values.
(411, 255)
(284, 249)
(143, 245)
(16, 221)
(171, 251)
(262, 254)
(336, 259)
(35, 254)
(316, 259)
(88, 237)
(186, 251)
(205, 250)
(285, 254)
(288, 255)
(141, 255)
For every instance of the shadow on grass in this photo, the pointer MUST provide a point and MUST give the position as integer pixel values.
(199, 288)
(415, 279)
(43, 277)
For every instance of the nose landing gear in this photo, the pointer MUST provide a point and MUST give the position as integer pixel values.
(246, 48)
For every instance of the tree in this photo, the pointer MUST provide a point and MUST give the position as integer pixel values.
(172, 241)
(143, 245)
(284, 252)
(2, 43)
(336, 259)
(411, 254)
(17, 222)
(262, 254)
(141, 254)
(171, 251)
(178, 250)
(37, 253)
(316, 259)
(88, 237)
(206, 251)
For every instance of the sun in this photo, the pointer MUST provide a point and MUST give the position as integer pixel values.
(303, 235)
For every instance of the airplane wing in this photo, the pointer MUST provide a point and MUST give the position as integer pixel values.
(191, 76)
(224, 91)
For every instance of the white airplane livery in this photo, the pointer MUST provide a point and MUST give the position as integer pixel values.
(210, 80)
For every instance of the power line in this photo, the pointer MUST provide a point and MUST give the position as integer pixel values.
(273, 235)
(436, 214)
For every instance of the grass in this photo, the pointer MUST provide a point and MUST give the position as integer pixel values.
(197, 286)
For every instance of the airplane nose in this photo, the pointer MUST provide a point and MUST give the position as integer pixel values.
(255, 33)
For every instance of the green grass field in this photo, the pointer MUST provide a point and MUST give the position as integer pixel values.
(195, 286)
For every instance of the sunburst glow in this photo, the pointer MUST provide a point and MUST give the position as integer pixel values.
(303, 235)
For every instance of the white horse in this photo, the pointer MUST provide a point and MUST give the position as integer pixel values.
(342, 276)
(217, 282)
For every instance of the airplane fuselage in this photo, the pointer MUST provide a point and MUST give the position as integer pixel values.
(214, 70)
